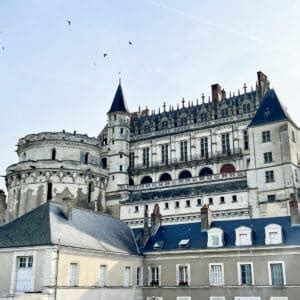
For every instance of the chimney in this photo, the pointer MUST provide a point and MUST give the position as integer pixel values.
(206, 217)
(294, 212)
(2, 207)
(216, 93)
(155, 219)
(67, 208)
(262, 84)
(146, 230)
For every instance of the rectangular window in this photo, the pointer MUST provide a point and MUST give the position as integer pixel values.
(166, 205)
(204, 147)
(272, 198)
(293, 136)
(276, 273)
(245, 274)
(136, 209)
(127, 277)
(234, 198)
(146, 152)
(182, 275)
(222, 200)
(154, 276)
(188, 203)
(266, 136)
(216, 274)
(246, 140)
(103, 276)
(139, 276)
(199, 202)
(183, 151)
(210, 201)
(73, 274)
(121, 168)
(24, 274)
(268, 157)
(225, 143)
(165, 154)
(177, 204)
(131, 160)
(121, 130)
(269, 176)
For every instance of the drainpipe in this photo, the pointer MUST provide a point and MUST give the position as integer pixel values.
(56, 275)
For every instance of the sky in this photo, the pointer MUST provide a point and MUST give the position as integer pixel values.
(54, 76)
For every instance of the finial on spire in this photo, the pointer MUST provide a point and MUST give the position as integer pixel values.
(203, 97)
(164, 106)
(183, 101)
(245, 88)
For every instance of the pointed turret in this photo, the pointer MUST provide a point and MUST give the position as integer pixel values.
(119, 103)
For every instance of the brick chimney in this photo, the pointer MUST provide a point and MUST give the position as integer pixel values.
(67, 208)
(294, 211)
(206, 217)
(155, 219)
(216, 93)
(2, 207)
(146, 229)
(262, 84)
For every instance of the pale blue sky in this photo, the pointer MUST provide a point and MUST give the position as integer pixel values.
(48, 81)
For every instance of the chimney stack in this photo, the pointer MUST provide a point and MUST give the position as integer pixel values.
(67, 208)
(216, 93)
(155, 219)
(146, 230)
(206, 217)
(2, 207)
(294, 211)
(262, 84)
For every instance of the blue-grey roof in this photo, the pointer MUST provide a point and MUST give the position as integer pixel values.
(119, 103)
(270, 110)
(48, 225)
(170, 235)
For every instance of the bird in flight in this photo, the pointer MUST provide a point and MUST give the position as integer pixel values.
(104, 54)
(69, 22)
(130, 42)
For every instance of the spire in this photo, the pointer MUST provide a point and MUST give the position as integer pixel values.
(119, 103)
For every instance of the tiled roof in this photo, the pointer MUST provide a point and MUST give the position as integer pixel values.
(119, 103)
(171, 235)
(48, 225)
(270, 110)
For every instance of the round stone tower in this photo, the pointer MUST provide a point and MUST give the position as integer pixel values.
(56, 166)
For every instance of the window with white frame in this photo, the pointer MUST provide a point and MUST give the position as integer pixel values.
(273, 234)
(154, 298)
(245, 273)
(103, 276)
(139, 276)
(215, 237)
(216, 274)
(183, 274)
(73, 274)
(276, 273)
(279, 298)
(24, 274)
(183, 298)
(243, 236)
(127, 276)
(216, 298)
(246, 298)
(154, 275)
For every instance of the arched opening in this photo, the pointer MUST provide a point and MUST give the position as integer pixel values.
(104, 163)
(49, 191)
(53, 154)
(165, 177)
(205, 172)
(131, 182)
(146, 179)
(24, 156)
(227, 168)
(87, 158)
(90, 190)
(185, 174)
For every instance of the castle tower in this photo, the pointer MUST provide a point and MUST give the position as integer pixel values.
(118, 146)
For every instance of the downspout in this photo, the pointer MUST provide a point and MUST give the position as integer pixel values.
(56, 275)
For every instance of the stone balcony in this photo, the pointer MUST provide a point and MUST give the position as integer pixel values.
(193, 160)
(183, 182)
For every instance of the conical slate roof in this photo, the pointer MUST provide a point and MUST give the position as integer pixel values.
(119, 103)
(270, 110)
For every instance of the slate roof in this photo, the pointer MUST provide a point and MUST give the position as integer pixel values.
(119, 103)
(270, 110)
(171, 235)
(48, 225)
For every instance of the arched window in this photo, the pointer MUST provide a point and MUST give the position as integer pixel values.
(165, 177)
(185, 174)
(131, 182)
(146, 179)
(227, 168)
(104, 162)
(49, 191)
(90, 190)
(87, 158)
(164, 125)
(53, 154)
(183, 121)
(206, 172)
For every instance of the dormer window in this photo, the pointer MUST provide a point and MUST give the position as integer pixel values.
(243, 236)
(158, 245)
(215, 237)
(273, 234)
(184, 243)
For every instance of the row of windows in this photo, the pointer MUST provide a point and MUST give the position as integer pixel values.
(215, 298)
